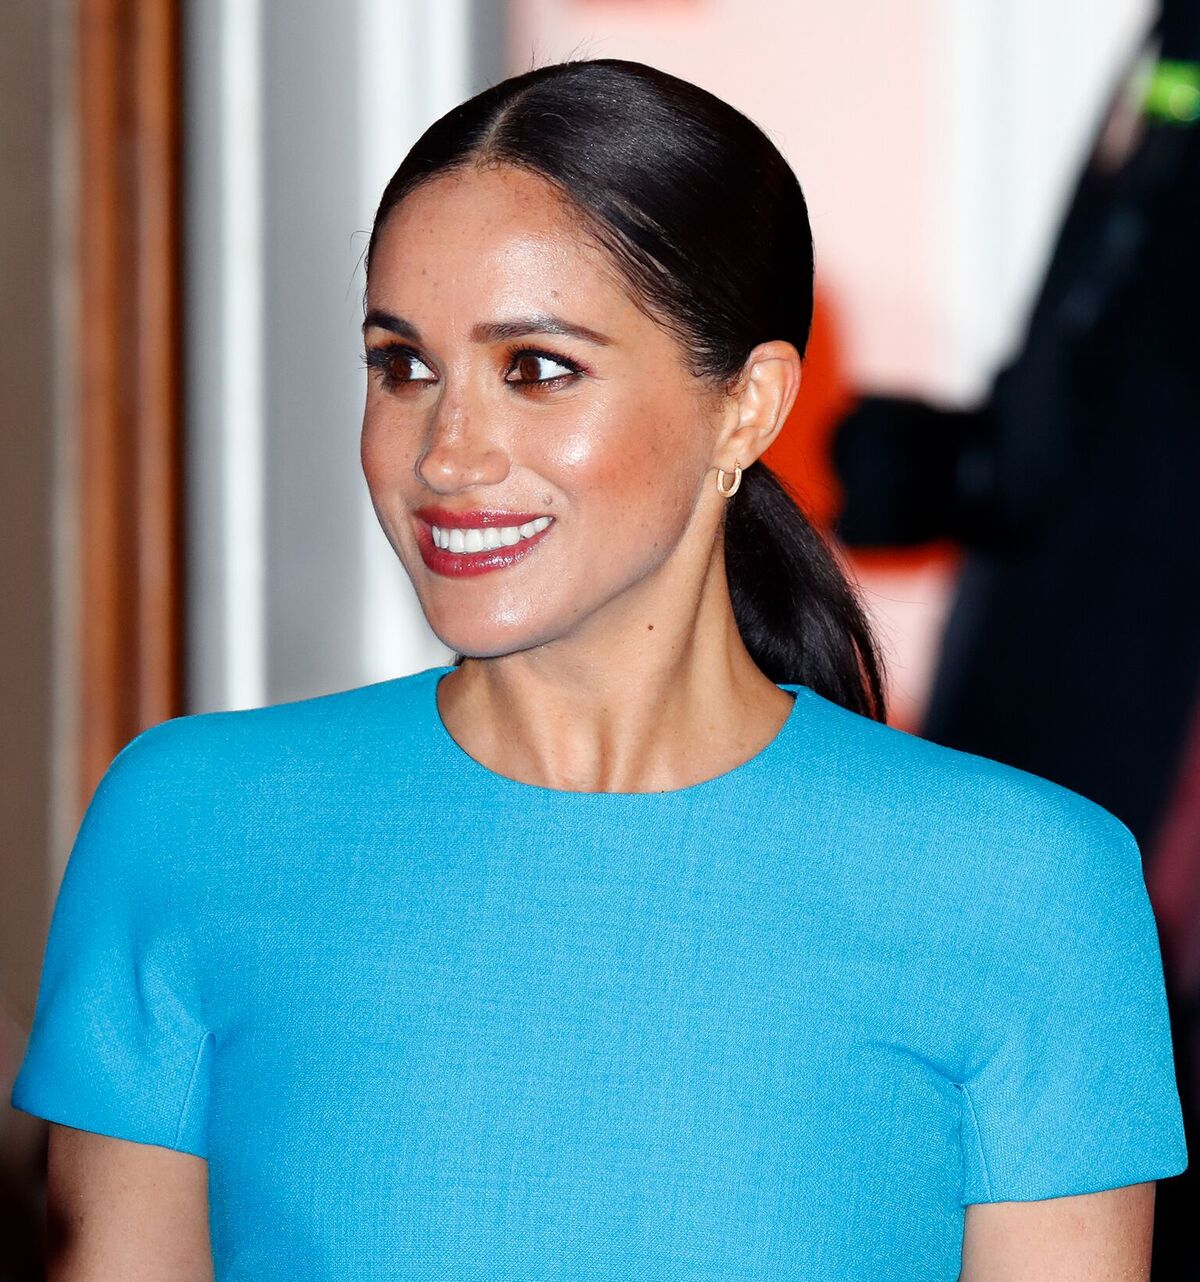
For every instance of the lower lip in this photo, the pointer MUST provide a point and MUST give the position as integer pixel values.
(459, 565)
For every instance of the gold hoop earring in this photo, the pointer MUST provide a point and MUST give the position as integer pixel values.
(737, 480)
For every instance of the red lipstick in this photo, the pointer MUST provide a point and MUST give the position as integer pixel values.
(457, 565)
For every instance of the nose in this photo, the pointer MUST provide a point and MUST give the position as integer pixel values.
(460, 452)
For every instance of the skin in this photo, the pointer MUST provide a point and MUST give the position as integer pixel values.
(606, 660)
(116, 1209)
(1095, 1237)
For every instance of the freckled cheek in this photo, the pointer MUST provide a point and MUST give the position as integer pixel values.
(386, 460)
(388, 471)
(636, 470)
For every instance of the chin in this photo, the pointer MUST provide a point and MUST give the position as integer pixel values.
(488, 642)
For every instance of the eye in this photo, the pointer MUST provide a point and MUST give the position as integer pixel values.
(397, 365)
(541, 369)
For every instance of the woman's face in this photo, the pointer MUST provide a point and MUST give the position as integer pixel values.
(515, 390)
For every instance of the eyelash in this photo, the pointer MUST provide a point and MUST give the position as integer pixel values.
(381, 360)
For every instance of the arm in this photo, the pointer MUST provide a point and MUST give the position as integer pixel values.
(116, 1209)
(1093, 1237)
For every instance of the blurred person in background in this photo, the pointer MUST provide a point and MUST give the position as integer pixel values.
(1073, 646)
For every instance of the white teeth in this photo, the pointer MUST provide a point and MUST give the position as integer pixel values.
(487, 538)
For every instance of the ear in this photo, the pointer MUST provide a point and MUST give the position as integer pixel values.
(759, 404)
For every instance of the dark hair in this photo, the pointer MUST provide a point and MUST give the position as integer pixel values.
(707, 223)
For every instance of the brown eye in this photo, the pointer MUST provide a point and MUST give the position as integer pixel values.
(396, 366)
(532, 368)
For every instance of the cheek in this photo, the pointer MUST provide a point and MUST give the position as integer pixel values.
(640, 459)
(637, 465)
(382, 451)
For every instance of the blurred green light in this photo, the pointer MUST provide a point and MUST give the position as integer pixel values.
(1173, 94)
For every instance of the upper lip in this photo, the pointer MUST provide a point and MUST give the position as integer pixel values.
(474, 519)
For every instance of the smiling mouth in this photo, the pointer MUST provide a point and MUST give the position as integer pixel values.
(459, 550)
(465, 541)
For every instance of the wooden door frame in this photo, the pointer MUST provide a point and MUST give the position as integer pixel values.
(129, 580)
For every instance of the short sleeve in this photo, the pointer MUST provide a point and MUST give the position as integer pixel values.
(117, 1044)
(1073, 1088)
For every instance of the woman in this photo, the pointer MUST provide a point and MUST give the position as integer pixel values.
(634, 945)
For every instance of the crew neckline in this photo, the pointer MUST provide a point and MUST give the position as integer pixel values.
(463, 761)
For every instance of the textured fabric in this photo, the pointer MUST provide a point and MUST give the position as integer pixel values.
(430, 1023)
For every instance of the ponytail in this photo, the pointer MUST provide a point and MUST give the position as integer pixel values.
(798, 615)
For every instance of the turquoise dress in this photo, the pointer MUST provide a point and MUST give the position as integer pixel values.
(430, 1023)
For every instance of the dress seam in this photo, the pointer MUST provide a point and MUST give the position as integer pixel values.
(983, 1162)
(187, 1097)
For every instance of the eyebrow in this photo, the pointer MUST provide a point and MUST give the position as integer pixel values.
(376, 319)
(536, 323)
(495, 331)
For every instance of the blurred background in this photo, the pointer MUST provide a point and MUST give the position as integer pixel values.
(999, 422)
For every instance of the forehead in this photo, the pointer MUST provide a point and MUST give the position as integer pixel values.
(495, 239)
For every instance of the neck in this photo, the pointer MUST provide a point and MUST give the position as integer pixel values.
(657, 698)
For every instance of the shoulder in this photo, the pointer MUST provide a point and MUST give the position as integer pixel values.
(187, 788)
(210, 745)
(986, 819)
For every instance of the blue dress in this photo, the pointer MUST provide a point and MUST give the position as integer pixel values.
(430, 1023)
